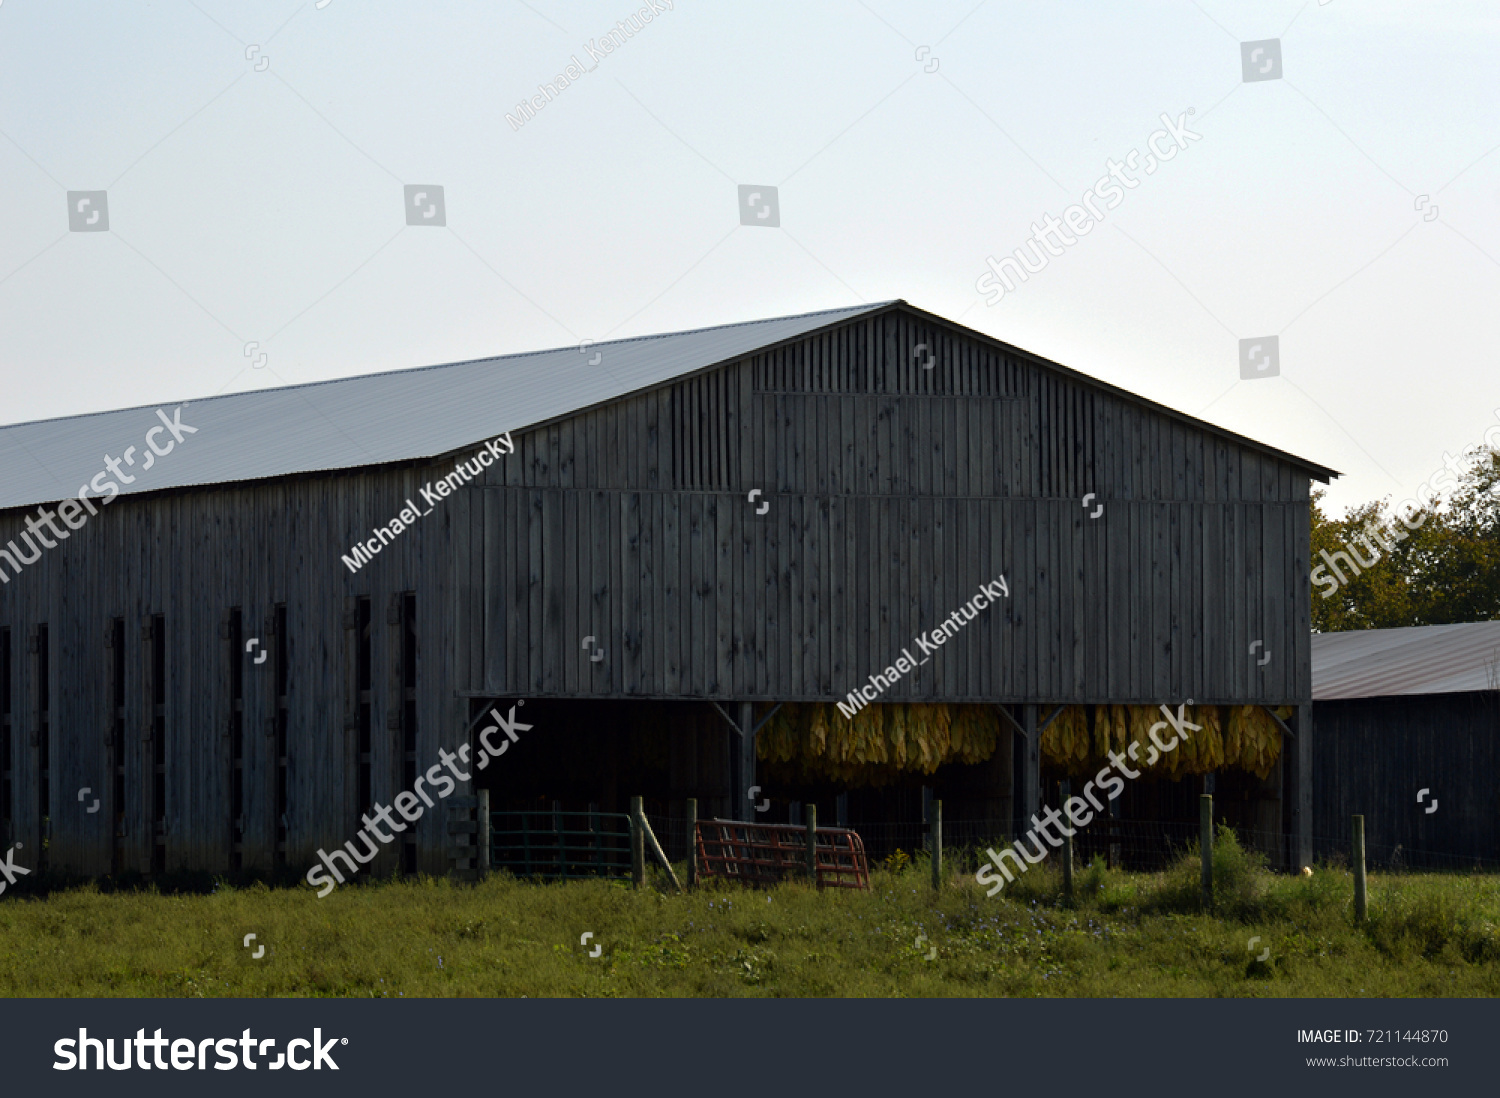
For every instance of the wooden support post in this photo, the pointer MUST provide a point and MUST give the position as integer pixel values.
(692, 842)
(1031, 773)
(1302, 792)
(1066, 791)
(937, 845)
(1206, 847)
(745, 808)
(1357, 857)
(812, 843)
(482, 852)
(637, 841)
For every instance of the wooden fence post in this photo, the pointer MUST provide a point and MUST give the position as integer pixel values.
(637, 841)
(812, 843)
(1065, 791)
(1206, 846)
(692, 841)
(482, 854)
(1358, 858)
(937, 844)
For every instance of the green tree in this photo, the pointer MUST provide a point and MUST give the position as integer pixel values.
(1445, 570)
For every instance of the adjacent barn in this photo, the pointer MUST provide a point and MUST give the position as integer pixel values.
(255, 617)
(1408, 736)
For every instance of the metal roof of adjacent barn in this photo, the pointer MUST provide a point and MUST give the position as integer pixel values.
(1423, 659)
(425, 412)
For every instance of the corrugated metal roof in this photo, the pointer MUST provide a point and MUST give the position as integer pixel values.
(370, 420)
(1423, 659)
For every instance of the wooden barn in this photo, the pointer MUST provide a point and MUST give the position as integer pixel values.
(254, 616)
(1408, 736)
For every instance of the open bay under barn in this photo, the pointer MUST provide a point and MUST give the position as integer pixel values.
(673, 558)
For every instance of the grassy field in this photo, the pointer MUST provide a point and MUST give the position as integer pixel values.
(1124, 935)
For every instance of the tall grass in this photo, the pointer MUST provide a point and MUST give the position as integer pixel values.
(1121, 934)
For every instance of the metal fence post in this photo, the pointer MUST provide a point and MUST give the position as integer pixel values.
(1206, 846)
(638, 841)
(692, 841)
(1358, 858)
(937, 845)
(812, 843)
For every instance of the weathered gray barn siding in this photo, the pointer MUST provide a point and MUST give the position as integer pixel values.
(1372, 756)
(894, 491)
(190, 556)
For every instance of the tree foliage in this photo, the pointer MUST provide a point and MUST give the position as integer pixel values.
(1433, 565)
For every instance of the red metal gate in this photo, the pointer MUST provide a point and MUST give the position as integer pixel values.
(759, 853)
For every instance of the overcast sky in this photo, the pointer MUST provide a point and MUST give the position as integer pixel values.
(255, 156)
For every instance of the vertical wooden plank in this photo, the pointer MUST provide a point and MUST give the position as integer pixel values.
(1181, 623)
(516, 543)
(465, 639)
(968, 543)
(658, 439)
(573, 623)
(696, 643)
(808, 570)
(1213, 582)
(537, 574)
(784, 643)
(602, 677)
(725, 595)
(673, 606)
(625, 575)
(853, 514)
(912, 543)
(749, 587)
(567, 437)
(867, 565)
(1195, 523)
(940, 516)
(653, 658)
(801, 675)
(1139, 579)
(1235, 569)
(733, 572)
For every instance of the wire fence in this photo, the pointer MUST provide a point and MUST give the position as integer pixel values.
(554, 844)
(1136, 845)
(1395, 858)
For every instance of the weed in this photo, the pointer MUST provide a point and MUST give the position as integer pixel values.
(1126, 934)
